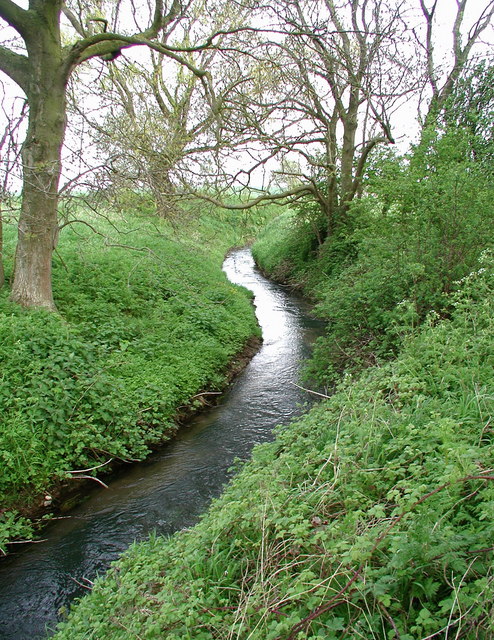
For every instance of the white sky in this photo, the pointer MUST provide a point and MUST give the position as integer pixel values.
(405, 124)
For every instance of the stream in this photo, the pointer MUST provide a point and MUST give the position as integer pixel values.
(169, 490)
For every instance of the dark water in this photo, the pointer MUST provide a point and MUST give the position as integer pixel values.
(172, 488)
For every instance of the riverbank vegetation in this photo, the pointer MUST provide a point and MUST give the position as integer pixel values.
(147, 322)
(420, 227)
(372, 516)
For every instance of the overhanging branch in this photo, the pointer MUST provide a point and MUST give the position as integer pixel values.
(109, 43)
(16, 66)
(292, 194)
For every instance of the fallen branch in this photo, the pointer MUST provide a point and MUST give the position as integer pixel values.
(316, 393)
(27, 541)
(92, 468)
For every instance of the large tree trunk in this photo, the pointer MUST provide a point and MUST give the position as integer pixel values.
(2, 273)
(164, 194)
(38, 224)
(350, 125)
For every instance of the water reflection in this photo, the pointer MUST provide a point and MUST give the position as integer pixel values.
(173, 487)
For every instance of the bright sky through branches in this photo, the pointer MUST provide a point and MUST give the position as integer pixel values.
(405, 126)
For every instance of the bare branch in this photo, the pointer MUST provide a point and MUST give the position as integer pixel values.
(72, 18)
(460, 52)
(266, 197)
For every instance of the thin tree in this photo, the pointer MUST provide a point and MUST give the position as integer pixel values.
(442, 84)
(176, 134)
(166, 124)
(9, 153)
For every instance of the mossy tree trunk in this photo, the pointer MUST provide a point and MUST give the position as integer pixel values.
(38, 224)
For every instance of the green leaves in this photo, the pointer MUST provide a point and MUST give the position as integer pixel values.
(13, 527)
(371, 516)
(139, 333)
(420, 227)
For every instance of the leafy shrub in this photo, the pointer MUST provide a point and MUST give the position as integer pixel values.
(13, 527)
(422, 229)
(56, 401)
(372, 516)
(141, 329)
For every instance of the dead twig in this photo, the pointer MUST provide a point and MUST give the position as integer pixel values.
(207, 393)
(85, 477)
(316, 393)
(92, 468)
(81, 584)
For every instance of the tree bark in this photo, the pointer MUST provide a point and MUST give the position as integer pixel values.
(2, 273)
(347, 160)
(38, 224)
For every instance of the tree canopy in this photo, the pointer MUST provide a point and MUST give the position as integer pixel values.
(278, 101)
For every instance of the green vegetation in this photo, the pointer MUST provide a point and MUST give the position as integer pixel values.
(421, 227)
(372, 516)
(147, 320)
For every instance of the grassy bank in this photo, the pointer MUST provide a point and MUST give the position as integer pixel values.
(146, 321)
(370, 517)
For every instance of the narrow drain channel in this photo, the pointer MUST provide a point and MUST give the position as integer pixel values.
(174, 486)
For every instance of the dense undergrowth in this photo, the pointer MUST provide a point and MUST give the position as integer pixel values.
(420, 227)
(370, 517)
(146, 321)
(373, 515)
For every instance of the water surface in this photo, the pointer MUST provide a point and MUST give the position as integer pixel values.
(174, 486)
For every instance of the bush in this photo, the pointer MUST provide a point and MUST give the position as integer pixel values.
(420, 229)
(371, 516)
(287, 245)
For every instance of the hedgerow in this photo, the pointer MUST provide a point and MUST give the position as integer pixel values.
(372, 516)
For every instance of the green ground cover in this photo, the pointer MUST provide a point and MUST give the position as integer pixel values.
(370, 517)
(146, 320)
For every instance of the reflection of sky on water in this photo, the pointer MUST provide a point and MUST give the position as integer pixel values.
(173, 487)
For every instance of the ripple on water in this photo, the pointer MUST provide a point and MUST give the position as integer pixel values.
(173, 487)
